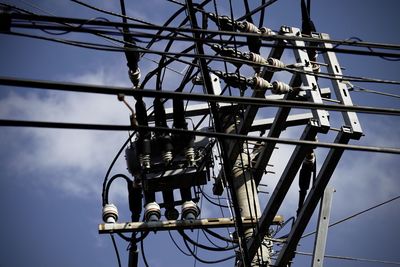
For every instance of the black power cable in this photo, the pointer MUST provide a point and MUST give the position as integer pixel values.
(116, 250)
(206, 261)
(59, 125)
(113, 90)
(188, 239)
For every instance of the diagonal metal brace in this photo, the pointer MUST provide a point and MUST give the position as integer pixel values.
(327, 169)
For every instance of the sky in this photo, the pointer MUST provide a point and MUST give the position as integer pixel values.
(50, 180)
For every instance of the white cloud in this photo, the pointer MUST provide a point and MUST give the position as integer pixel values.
(79, 158)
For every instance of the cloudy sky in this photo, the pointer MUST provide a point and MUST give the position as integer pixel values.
(50, 180)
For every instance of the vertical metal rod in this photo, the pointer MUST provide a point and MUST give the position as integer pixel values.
(227, 165)
(322, 228)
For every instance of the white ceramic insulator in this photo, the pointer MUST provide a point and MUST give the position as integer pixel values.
(261, 84)
(256, 58)
(266, 31)
(276, 64)
(190, 211)
(152, 211)
(145, 161)
(167, 156)
(189, 154)
(280, 88)
(250, 27)
(110, 213)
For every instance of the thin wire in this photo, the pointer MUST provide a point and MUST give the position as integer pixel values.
(111, 13)
(355, 215)
(206, 261)
(350, 258)
(189, 30)
(116, 250)
(176, 55)
(113, 90)
(176, 245)
(356, 88)
(76, 126)
(143, 253)
(187, 238)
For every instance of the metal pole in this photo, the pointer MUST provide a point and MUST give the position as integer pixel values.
(322, 229)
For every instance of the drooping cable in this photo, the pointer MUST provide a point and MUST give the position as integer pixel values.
(59, 125)
(355, 215)
(351, 258)
(116, 250)
(177, 246)
(206, 261)
(143, 253)
(188, 239)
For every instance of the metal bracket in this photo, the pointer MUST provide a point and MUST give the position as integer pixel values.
(129, 227)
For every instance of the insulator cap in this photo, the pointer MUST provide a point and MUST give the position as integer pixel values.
(152, 212)
(110, 213)
(281, 88)
(275, 64)
(190, 211)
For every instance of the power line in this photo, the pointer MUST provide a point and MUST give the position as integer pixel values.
(176, 55)
(350, 258)
(32, 17)
(79, 126)
(355, 215)
(113, 90)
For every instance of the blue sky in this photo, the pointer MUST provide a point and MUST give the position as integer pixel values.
(50, 180)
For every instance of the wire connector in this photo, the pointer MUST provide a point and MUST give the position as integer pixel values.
(224, 22)
(233, 79)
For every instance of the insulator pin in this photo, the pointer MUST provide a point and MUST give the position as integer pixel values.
(280, 88)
